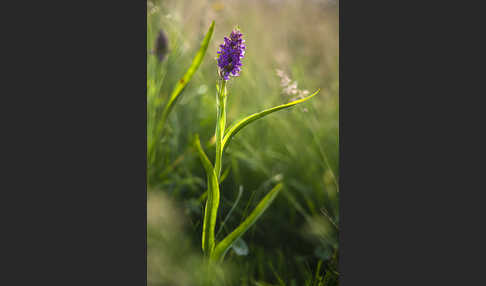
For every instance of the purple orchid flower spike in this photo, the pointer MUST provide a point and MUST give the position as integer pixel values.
(230, 55)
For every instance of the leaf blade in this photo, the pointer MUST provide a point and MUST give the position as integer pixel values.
(236, 127)
(179, 87)
(223, 246)
(196, 62)
(212, 202)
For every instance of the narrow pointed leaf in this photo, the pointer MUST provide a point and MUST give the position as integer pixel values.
(181, 84)
(196, 62)
(235, 128)
(226, 243)
(212, 202)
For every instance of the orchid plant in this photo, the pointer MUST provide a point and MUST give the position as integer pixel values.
(229, 62)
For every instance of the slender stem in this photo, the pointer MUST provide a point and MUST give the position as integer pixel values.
(240, 193)
(220, 126)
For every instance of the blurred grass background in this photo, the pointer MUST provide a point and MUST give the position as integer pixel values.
(296, 239)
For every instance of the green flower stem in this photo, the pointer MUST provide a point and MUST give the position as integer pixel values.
(220, 126)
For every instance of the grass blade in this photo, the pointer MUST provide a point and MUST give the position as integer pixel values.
(240, 193)
(226, 243)
(181, 84)
(235, 128)
(212, 203)
(196, 62)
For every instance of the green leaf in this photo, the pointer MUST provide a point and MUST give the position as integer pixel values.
(228, 241)
(196, 62)
(181, 84)
(212, 203)
(224, 175)
(235, 128)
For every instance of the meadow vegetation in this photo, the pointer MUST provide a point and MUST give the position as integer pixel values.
(292, 51)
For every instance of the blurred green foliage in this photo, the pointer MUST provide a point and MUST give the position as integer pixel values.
(296, 241)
